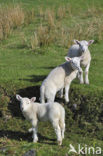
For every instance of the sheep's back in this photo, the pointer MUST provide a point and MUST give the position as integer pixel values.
(55, 111)
(55, 78)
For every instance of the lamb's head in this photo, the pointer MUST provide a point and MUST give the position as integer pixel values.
(75, 62)
(83, 45)
(25, 103)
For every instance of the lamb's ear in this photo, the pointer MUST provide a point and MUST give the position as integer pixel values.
(67, 58)
(18, 97)
(76, 42)
(33, 99)
(90, 42)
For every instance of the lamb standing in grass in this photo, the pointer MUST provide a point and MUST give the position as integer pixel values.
(80, 48)
(35, 112)
(59, 78)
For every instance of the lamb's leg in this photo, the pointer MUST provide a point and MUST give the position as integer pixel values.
(86, 73)
(67, 92)
(62, 124)
(34, 128)
(35, 137)
(42, 94)
(80, 76)
(62, 131)
(51, 98)
(57, 131)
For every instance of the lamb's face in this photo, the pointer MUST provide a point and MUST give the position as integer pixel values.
(75, 62)
(83, 45)
(25, 103)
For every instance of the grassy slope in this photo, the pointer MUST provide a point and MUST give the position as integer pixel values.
(20, 68)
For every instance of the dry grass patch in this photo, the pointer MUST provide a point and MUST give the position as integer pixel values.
(11, 17)
(54, 30)
(61, 12)
(50, 17)
(64, 35)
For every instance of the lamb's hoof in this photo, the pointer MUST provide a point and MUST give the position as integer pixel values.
(60, 143)
(35, 141)
(30, 130)
(67, 101)
(62, 137)
(87, 83)
(82, 82)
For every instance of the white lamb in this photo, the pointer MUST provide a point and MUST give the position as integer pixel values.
(34, 112)
(80, 48)
(59, 78)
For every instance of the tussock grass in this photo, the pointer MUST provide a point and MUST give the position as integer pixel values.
(29, 16)
(43, 36)
(50, 17)
(61, 12)
(53, 30)
(12, 17)
(94, 11)
(34, 41)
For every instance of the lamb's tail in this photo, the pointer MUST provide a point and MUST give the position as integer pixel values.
(62, 122)
(42, 94)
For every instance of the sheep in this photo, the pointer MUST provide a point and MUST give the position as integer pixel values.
(34, 112)
(59, 78)
(80, 48)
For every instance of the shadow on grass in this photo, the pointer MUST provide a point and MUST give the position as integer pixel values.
(34, 78)
(14, 105)
(15, 135)
(17, 46)
(51, 67)
(1, 114)
(19, 136)
(44, 139)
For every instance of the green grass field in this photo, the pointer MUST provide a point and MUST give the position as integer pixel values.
(25, 62)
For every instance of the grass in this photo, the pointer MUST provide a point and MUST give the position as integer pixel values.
(29, 53)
